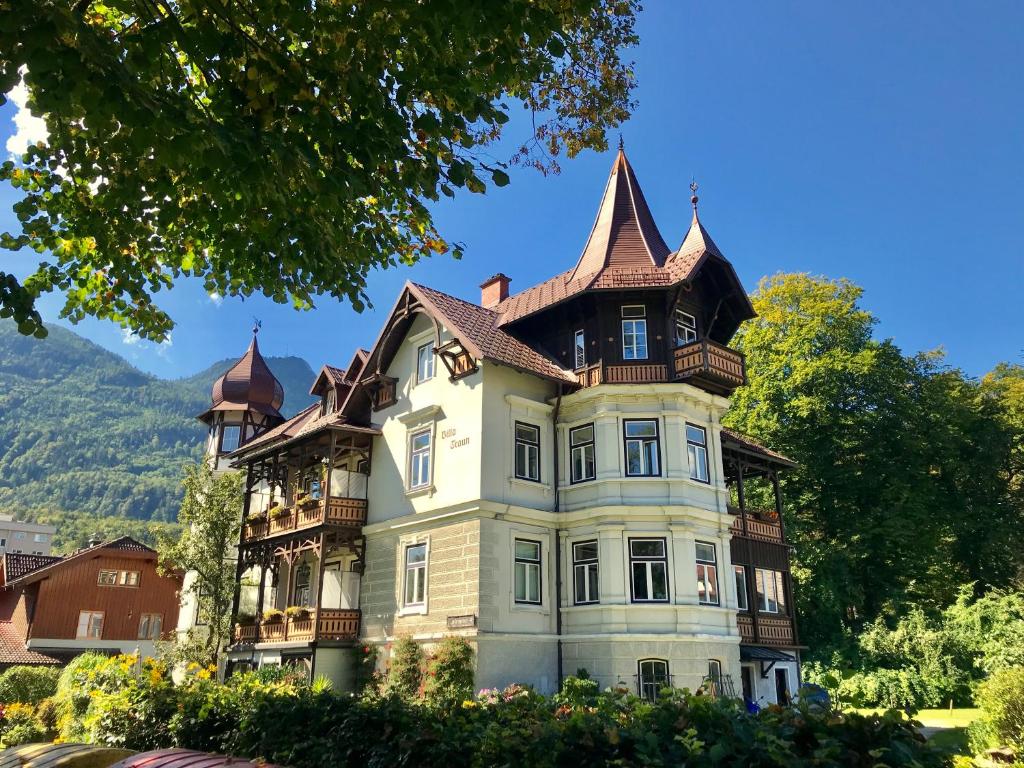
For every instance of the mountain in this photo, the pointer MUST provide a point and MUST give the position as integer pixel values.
(83, 433)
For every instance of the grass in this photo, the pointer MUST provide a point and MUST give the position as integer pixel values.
(939, 718)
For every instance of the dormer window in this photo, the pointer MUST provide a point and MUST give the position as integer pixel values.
(230, 435)
(686, 328)
(328, 402)
(634, 332)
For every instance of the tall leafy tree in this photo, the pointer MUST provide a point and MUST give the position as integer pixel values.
(281, 147)
(210, 517)
(900, 494)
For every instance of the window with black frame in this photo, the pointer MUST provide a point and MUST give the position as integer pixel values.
(634, 332)
(643, 457)
(585, 572)
(648, 568)
(527, 451)
(527, 571)
(697, 452)
(707, 574)
(652, 677)
(582, 459)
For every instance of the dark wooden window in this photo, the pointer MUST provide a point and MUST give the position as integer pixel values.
(580, 349)
(582, 458)
(648, 570)
(685, 328)
(527, 571)
(652, 676)
(634, 332)
(585, 573)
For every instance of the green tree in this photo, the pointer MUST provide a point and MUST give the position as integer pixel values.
(210, 518)
(901, 491)
(282, 148)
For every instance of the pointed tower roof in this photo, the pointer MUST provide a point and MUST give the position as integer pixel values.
(248, 385)
(624, 233)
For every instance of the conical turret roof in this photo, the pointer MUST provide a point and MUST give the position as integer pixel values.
(249, 385)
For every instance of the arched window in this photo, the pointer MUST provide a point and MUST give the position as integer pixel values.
(652, 676)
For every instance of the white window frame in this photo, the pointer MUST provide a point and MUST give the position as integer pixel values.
(129, 578)
(582, 567)
(418, 478)
(742, 598)
(527, 565)
(90, 624)
(580, 349)
(707, 574)
(643, 440)
(685, 332)
(648, 562)
(634, 328)
(418, 571)
(773, 601)
(648, 689)
(425, 365)
(579, 450)
(530, 449)
(39, 538)
(697, 454)
(146, 626)
(108, 578)
(237, 443)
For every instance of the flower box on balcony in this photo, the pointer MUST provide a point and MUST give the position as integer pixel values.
(297, 612)
(273, 616)
(278, 513)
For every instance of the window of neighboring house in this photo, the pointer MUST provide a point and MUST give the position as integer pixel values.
(39, 538)
(3, 542)
(697, 452)
(642, 452)
(651, 678)
(585, 574)
(648, 563)
(527, 451)
(582, 459)
(129, 578)
(580, 345)
(527, 571)
(419, 459)
(150, 626)
(90, 625)
(771, 592)
(415, 575)
(634, 332)
(707, 574)
(19, 535)
(425, 362)
(686, 328)
(742, 601)
(107, 578)
(229, 437)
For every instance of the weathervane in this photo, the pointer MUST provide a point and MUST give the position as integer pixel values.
(622, 144)
(256, 325)
(693, 198)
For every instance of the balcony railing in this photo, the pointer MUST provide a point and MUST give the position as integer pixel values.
(705, 360)
(760, 525)
(770, 630)
(323, 624)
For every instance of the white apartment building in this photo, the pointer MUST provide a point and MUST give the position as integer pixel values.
(545, 473)
(20, 538)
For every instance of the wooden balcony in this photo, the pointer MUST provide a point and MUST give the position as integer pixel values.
(760, 525)
(709, 365)
(335, 511)
(771, 629)
(640, 373)
(325, 624)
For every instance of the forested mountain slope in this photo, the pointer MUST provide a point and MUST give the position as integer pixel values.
(83, 432)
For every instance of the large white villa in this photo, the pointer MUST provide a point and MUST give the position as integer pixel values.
(542, 472)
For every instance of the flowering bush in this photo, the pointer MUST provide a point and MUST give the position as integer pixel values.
(19, 724)
(28, 685)
(405, 675)
(449, 674)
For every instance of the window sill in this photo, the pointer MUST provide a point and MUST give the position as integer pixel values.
(535, 484)
(530, 608)
(426, 490)
(413, 610)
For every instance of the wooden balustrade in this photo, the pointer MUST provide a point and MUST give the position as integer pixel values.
(589, 376)
(706, 360)
(770, 629)
(761, 524)
(325, 624)
(333, 511)
(646, 373)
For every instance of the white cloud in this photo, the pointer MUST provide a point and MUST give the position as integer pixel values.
(28, 129)
(216, 299)
(129, 338)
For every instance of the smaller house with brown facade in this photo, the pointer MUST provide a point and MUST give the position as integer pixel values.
(107, 597)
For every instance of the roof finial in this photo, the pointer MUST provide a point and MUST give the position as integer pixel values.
(693, 198)
(256, 325)
(622, 144)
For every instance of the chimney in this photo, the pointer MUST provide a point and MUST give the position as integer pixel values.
(494, 290)
(95, 540)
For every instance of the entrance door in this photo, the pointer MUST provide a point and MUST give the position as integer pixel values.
(747, 681)
(782, 687)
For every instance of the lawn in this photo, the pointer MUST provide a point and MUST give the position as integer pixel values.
(940, 718)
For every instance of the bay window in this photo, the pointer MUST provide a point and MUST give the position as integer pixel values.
(648, 568)
(641, 445)
(527, 451)
(582, 461)
(697, 452)
(585, 573)
(707, 574)
(527, 571)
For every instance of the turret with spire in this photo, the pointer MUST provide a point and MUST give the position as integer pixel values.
(245, 403)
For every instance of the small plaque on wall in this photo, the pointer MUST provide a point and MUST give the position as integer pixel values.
(462, 622)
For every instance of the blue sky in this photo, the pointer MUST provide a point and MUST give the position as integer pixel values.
(876, 141)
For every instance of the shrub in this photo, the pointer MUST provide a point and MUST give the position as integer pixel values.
(450, 672)
(405, 675)
(28, 685)
(367, 678)
(1001, 724)
(20, 725)
(73, 696)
